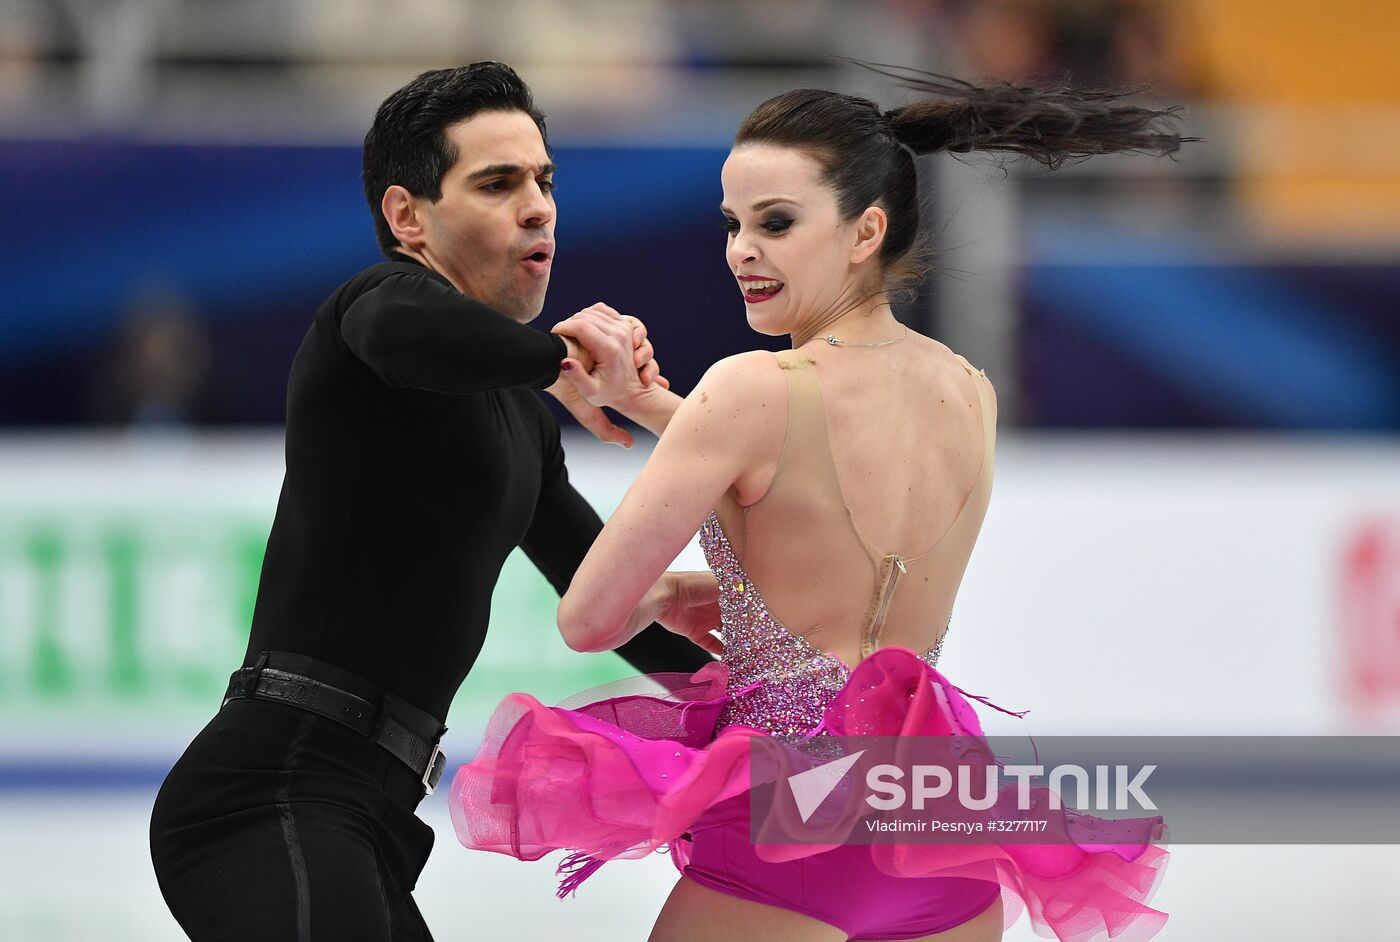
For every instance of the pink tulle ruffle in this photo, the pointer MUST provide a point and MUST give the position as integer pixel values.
(626, 776)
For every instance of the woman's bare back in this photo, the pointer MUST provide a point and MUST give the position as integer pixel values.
(903, 435)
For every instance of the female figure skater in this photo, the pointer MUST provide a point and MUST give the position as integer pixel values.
(838, 488)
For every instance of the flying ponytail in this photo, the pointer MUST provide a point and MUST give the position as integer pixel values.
(1044, 124)
(867, 156)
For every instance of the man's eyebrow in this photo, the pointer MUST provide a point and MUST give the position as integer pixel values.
(508, 170)
(762, 204)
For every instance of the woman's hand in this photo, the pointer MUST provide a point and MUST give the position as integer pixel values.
(691, 609)
(686, 603)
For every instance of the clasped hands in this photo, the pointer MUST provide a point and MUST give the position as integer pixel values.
(610, 362)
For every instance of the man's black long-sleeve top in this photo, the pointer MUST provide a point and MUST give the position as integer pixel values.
(418, 456)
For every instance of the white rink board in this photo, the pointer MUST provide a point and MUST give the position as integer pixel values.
(1114, 574)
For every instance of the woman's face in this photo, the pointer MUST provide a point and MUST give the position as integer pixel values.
(788, 248)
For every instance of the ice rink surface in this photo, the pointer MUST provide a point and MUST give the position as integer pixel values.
(75, 866)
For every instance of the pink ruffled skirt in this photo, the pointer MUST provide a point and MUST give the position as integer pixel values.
(630, 775)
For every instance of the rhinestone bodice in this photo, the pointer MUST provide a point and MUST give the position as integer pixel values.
(798, 680)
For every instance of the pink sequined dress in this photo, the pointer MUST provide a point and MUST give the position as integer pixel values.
(630, 774)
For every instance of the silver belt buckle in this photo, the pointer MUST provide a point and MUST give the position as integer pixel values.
(433, 773)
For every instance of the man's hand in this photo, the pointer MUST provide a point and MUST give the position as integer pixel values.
(610, 362)
(588, 415)
(624, 361)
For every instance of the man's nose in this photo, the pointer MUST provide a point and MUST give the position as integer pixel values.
(537, 210)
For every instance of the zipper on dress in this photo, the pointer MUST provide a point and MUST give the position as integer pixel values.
(896, 569)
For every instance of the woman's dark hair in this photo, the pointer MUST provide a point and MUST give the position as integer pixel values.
(407, 144)
(867, 156)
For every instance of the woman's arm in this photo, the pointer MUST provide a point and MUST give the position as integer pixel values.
(730, 426)
(651, 407)
(564, 527)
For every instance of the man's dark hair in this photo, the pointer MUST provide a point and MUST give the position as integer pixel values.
(407, 144)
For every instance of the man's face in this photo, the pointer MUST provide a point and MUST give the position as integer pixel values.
(492, 232)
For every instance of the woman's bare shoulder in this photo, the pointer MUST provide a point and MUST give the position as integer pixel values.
(744, 379)
(737, 403)
(749, 366)
(730, 424)
(940, 355)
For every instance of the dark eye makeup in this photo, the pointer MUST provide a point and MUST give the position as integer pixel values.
(774, 224)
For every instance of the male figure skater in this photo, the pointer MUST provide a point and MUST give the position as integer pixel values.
(418, 456)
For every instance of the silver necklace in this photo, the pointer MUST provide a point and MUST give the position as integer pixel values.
(838, 342)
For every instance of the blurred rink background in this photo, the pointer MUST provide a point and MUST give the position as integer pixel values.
(1196, 521)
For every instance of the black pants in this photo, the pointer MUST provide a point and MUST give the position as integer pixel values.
(278, 824)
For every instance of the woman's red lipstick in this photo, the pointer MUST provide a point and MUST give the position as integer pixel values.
(758, 289)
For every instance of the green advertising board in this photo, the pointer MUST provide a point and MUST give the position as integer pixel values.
(122, 615)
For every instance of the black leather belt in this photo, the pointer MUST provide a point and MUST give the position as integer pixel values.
(408, 733)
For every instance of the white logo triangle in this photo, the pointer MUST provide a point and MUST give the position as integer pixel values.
(811, 787)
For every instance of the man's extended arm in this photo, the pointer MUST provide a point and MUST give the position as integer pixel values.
(414, 331)
(564, 528)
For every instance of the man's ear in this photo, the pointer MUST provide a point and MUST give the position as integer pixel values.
(400, 209)
(870, 234)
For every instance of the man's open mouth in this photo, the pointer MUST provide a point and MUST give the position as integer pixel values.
(539, 260)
